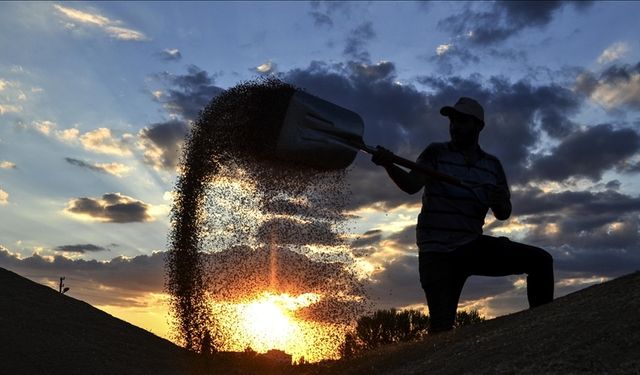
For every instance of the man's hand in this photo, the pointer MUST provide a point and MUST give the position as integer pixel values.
(382, 157)
(499, 201)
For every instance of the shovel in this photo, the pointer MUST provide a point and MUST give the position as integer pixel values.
(323, 135)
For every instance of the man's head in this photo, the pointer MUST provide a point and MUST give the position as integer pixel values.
(466, 121)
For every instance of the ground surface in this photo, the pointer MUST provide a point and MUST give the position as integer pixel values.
(45, 332)
(595, 330)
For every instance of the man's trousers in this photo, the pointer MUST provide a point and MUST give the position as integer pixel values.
(443, 274)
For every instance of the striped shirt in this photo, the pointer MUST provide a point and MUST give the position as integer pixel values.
(452, 216)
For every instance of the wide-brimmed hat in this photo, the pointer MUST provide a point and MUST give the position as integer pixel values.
(465, 106)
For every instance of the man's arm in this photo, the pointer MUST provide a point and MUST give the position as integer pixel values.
(500, 197)
(409, 182)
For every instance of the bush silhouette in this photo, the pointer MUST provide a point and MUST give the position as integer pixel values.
(464, 318)
(391, 326)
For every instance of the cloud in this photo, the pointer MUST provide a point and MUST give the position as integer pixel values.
(497, 21)
(102, 141)
(112, 28)
(241, 272)
(111, 208)
(324, 12)
(587, 153)
(614, 52)
(45, 127)
(513, 110)
(188, 93)
(397, 283)
(120, 281)
(295, 232)
(586, 205)
(13, 95)
(267, 68)
(80, 248)
(616, 87)
(7, 165)
(368, 238)
(162, 144)
(357, 40)
(587, 232)
(321, 19)
(116, 169)
(184, 97)
(9, 108)
(4, 197)
(170, 54)
(406, 119)
(448, 54)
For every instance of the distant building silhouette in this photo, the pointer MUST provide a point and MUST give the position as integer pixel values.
(273, 356)
(277, 356)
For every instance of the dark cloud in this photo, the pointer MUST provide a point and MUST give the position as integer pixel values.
(587, 153)
(295, 232)
(586, 237)
(512, 111)
(185, 97)
(629, 167)
(406, 237)
(188, 93)
(368, 238)
(500, 20)
(452, 56)
(586, 204)
(84, 164)
(162, 143)
(170, 54)
(372, 186)
(324, 12)
(111, 208)
(388, 109)
(357, 40)
(594, 233)
(115, 169)
(397, 283)
(406, 119)
(80, 248)
(608, 262)
(321, 19)
(613, 185)
(120, 281)
(614, 88)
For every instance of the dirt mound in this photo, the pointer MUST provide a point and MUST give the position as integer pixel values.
(595, 330)
(45, 332)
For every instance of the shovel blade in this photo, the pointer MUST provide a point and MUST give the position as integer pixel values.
(317, 133)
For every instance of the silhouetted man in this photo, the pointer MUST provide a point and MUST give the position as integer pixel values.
(449, 231)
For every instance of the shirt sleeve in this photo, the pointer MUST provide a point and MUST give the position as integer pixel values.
(429, 159)
(502, 178)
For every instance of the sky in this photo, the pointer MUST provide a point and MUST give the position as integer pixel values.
(96, 99)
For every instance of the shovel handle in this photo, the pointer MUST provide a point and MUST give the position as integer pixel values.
(417, 167)
(358, 144)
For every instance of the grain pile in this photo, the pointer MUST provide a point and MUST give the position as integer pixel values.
(245, 223)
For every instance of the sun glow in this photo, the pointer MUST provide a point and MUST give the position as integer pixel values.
(269, 319)
(270, 322)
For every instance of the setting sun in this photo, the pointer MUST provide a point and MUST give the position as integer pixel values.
(269, 322)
